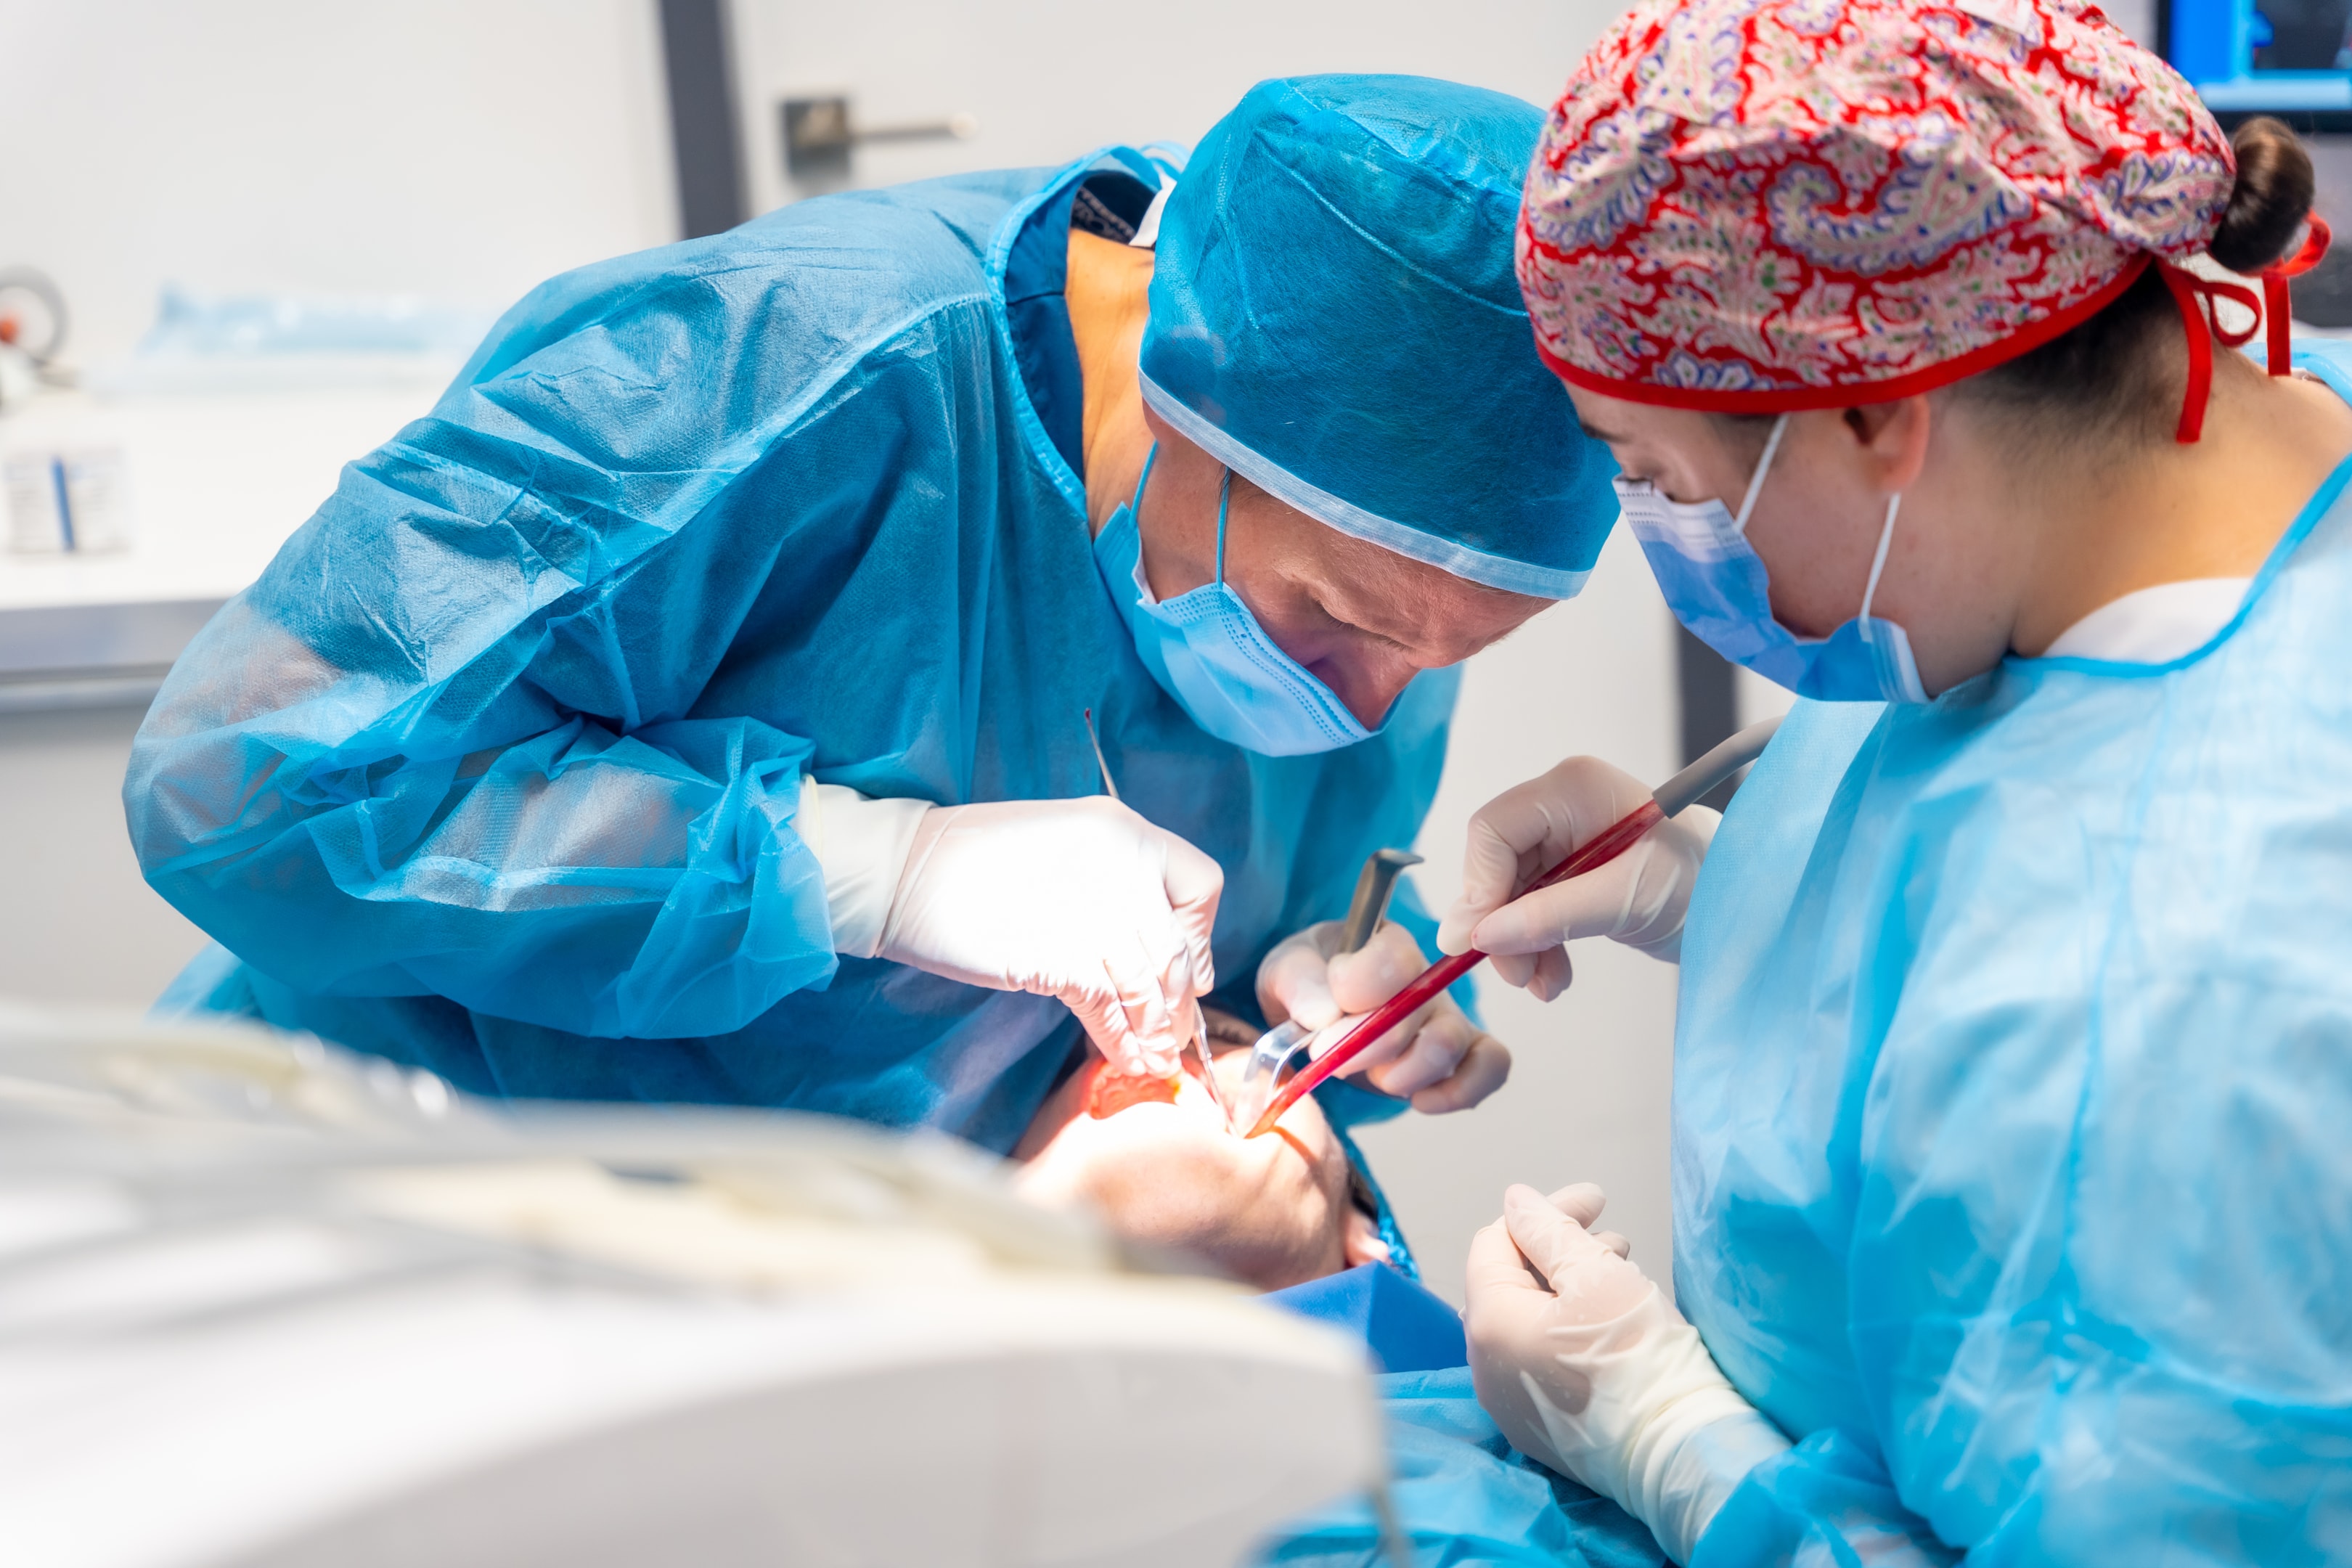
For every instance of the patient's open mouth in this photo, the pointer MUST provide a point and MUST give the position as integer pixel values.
(1111, 1093)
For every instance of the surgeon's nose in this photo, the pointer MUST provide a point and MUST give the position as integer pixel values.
(1369, 680)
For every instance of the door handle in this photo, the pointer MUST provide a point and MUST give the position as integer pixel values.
(819, 134)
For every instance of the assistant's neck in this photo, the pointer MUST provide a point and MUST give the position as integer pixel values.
(2213, 508)
(1108, 290)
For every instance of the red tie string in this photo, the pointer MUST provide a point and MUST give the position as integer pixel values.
(2186, 286)
(2278, 312)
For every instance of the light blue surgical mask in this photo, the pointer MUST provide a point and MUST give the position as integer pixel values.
(1208, 652)
(1716, 585)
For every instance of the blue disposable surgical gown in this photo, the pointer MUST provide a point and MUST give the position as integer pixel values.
(494, 771)
(2013, 1105)
(1462, 1498)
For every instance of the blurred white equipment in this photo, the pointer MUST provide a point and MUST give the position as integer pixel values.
(69, 502)
(263, 1305)
(33, 326)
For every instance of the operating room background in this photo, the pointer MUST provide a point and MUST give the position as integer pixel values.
(461, 149)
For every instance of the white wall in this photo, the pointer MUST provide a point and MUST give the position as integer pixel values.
(462, 150)
(77, 922)
(1050, 79)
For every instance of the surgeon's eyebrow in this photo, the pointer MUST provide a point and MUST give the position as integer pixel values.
(1595, 432)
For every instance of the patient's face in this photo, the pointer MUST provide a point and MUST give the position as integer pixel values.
(1271, 1211)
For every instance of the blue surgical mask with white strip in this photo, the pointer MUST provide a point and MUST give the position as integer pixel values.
(1716, 585)
(1207, 650)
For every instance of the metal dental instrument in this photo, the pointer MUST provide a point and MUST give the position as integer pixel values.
(1199, 1041)
(1109, 788)
(1671, 797)
(1287, 1043)
(1375, 884)
(1208, 1068)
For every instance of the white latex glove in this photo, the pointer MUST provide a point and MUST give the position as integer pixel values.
(1437, 1057)
(1081, 900)
(863, 844)
(1591, 1369)
(1639, 899)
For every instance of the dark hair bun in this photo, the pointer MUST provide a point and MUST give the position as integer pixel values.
(2270, 200)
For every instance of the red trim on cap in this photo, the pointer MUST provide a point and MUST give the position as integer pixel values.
(1795, 399)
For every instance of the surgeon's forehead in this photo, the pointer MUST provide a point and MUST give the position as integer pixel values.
(1614, 427)
(1382, 591)
(1643, 426)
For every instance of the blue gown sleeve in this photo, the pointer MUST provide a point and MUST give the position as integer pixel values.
(1462, 1498)
(446, 743)
(2095, 1287)
(1828, 1499)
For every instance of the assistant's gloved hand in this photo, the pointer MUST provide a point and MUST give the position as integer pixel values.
(1437, 1059)
(1081, 900)
(1639, 897)
(1592, 1371)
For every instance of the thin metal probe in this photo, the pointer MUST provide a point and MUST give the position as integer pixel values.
(1094, 740)
(1209, 1067)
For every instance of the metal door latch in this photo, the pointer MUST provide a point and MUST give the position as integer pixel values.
(819, 134)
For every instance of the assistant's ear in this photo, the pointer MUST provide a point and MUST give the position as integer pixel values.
(1893, 435)
(1362, 1241)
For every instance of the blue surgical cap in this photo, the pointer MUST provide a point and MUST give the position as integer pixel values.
(1334, 317)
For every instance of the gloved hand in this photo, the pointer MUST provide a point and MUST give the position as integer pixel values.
(1592, 1372)
(1081, 900)
(1639, 897)
(1437, 1059)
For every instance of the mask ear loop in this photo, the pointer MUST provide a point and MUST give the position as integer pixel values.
(1136, 505)
(1878, 565)
(1224, 499)
(1756, 482)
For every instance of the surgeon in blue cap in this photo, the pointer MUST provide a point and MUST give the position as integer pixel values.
(702, 703)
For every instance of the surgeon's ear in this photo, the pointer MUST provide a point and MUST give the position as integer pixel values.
(1362, 1241)
(1894, 439)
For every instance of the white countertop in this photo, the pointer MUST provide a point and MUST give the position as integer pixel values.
(217, 482)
